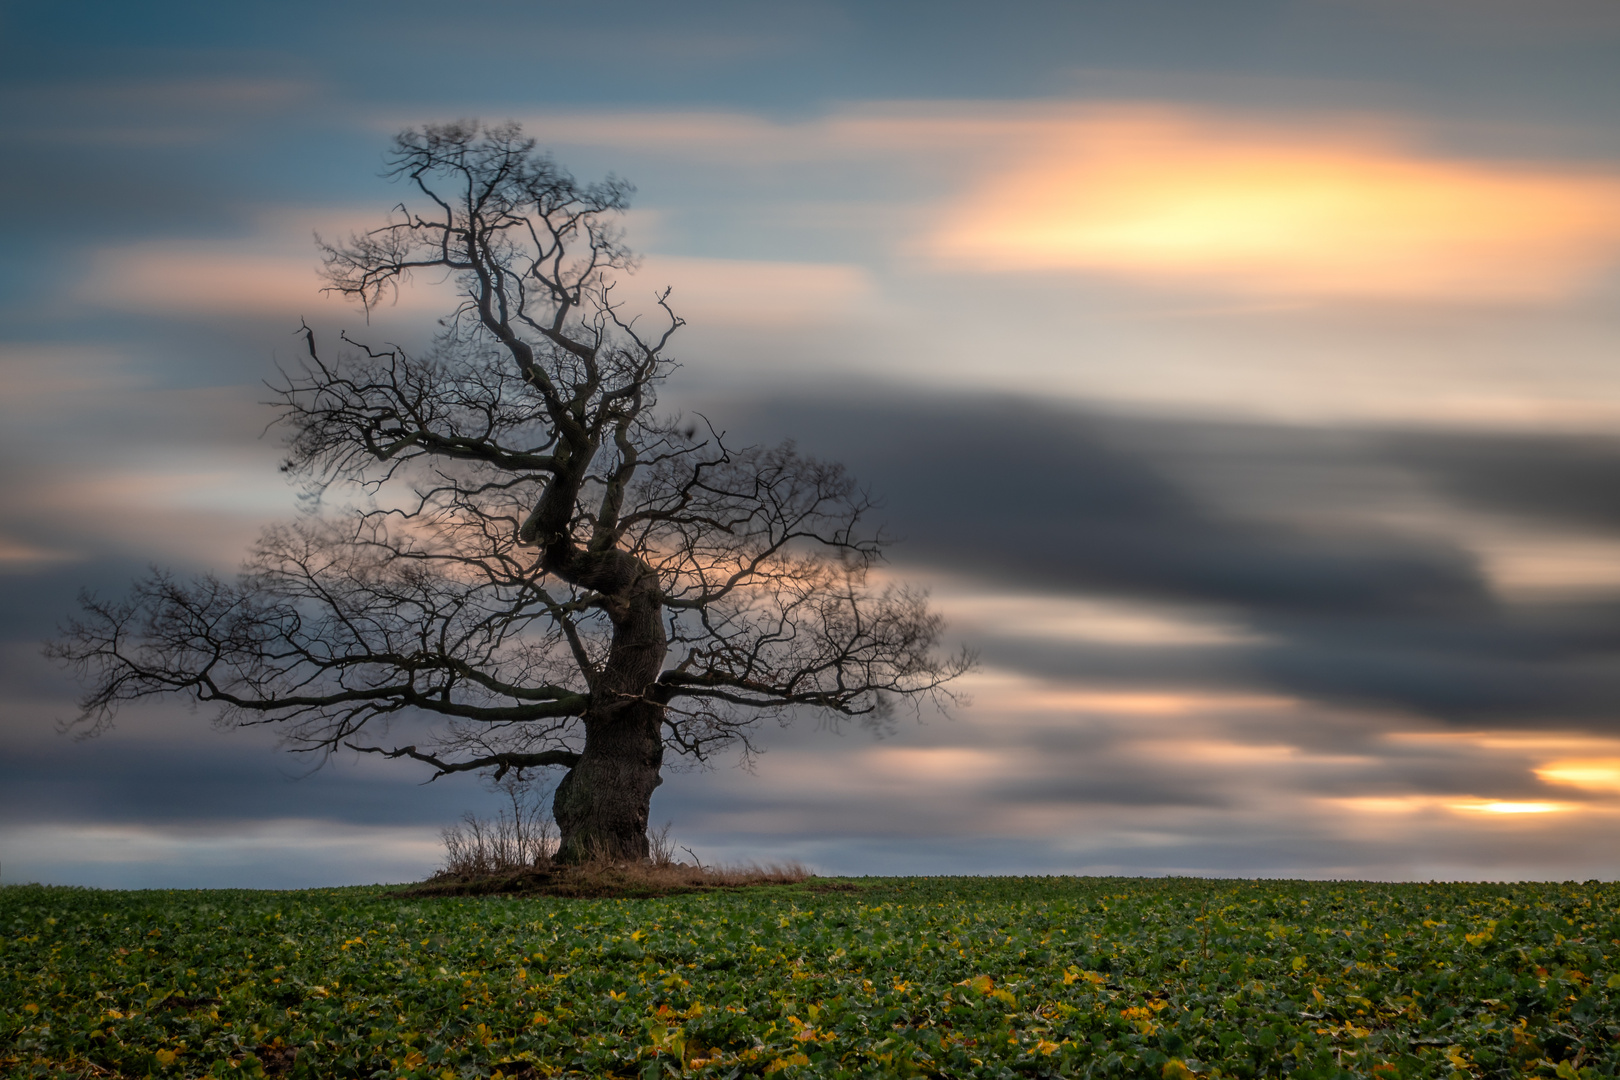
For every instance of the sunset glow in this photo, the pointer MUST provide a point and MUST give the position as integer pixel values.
(1511, 807)
(1594, 775)
(1167, 194)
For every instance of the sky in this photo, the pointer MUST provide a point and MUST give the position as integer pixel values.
(1243, 379)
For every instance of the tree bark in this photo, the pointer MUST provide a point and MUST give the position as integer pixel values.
(602, 805)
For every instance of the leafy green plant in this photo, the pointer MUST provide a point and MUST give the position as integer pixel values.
(894, 977)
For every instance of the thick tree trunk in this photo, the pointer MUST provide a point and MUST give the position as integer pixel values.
(602, 805)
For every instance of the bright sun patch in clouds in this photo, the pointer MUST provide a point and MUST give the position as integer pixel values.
(1593, 775)
(1413, 804)
(1175, 195)
(1511, 807)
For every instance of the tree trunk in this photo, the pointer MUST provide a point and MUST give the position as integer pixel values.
(602, 805)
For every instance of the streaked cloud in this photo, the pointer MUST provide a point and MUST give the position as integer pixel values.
(1278, 206)
(1336, 564)
(1592, 774)
(265, 275)
(277, 853)
(1510, 807)
(1349, 209)
(754, 293)
(16, 553)
(159, 278)
(1038, 615)
(142, 113)
(1190, 791)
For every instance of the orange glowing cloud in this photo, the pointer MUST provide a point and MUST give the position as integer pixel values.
(1510, 807)
(1176, 196)
(1592, 774)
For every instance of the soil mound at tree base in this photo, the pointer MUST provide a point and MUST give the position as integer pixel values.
(614, 880)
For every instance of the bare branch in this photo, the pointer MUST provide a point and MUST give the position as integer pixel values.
(508, 544)
(500, 763)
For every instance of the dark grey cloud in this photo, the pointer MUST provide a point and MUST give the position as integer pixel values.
(212, 777)
(1505, 671)
(1172, 667)
(1347, 609)
(34, 600)
(1148, 787)
(1568, 481)
(1042, 498)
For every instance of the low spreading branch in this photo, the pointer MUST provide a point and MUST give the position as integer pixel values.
(501, 764)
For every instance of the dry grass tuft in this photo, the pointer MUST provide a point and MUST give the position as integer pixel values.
(605, 877)
(521, 838)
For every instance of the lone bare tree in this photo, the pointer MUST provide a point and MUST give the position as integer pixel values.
(532, 567)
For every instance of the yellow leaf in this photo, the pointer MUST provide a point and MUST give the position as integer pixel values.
(1297, 963)
(1176, 1069)
(165, 1057)
(783, 1062)
(979, 984)
(30, 1008)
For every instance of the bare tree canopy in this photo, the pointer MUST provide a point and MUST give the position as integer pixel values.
(525, 552)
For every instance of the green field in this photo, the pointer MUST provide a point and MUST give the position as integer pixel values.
(947, 977)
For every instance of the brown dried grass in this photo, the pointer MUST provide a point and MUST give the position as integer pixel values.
(607, 878)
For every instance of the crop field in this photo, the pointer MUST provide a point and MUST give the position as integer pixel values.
(952, 977)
